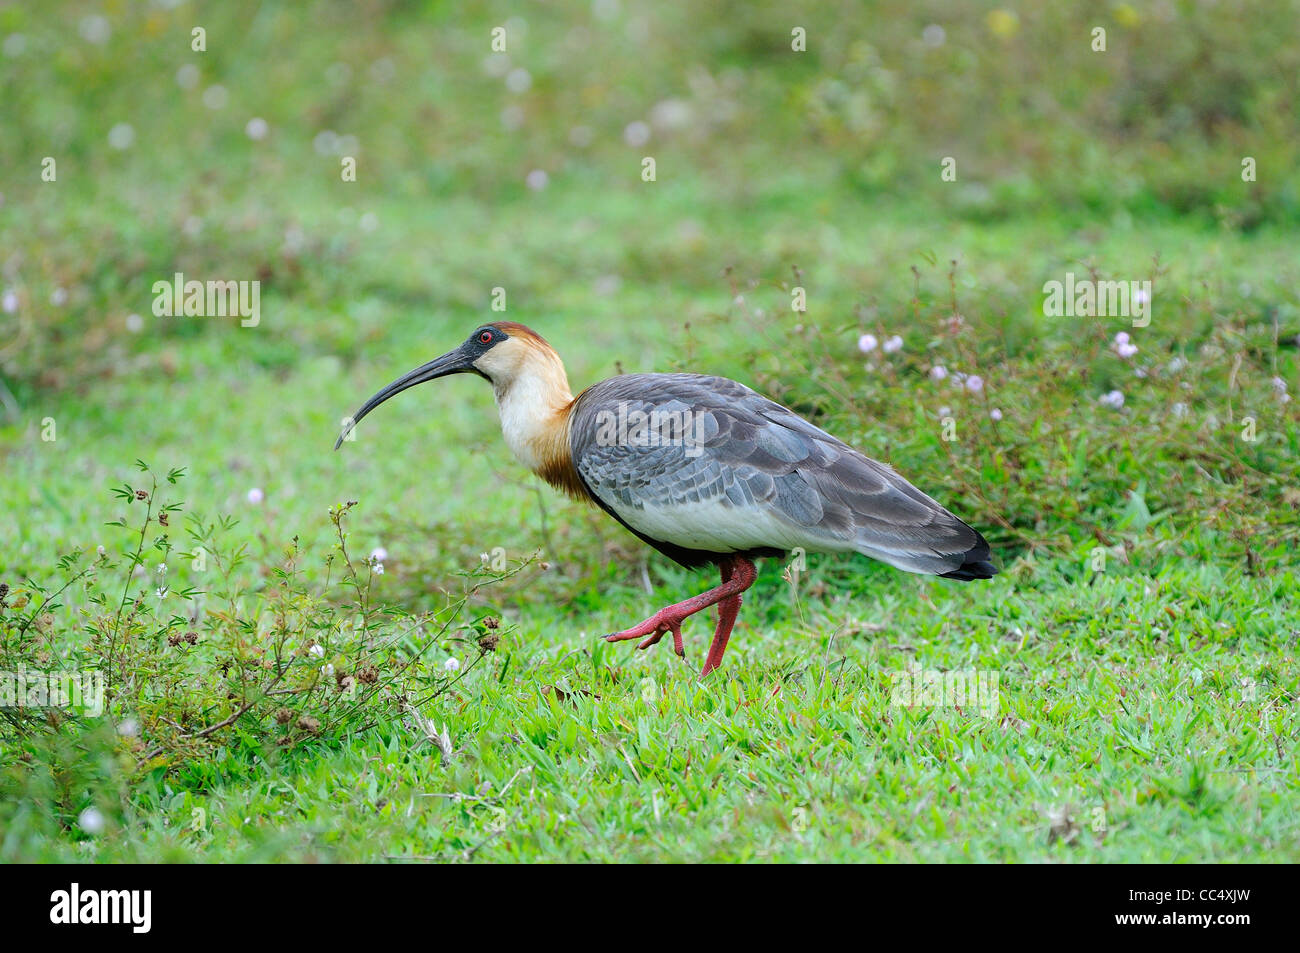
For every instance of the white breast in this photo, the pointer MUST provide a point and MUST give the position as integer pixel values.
(722, 527)
(526, 408)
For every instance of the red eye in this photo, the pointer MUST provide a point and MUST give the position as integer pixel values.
(485, 337)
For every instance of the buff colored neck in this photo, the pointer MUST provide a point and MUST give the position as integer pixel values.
(535, 404)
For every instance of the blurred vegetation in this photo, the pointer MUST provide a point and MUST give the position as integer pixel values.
(1038, 122)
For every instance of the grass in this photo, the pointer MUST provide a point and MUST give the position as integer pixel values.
(1140, 634)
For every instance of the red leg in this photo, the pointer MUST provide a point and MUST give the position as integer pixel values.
(728, 609)
(737, 576)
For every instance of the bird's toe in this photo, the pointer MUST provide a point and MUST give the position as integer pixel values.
(652, 640)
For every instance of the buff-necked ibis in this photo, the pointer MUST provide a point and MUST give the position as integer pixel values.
(703, 469)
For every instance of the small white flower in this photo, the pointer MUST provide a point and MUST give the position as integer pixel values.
(316, 651)
(91, 820)
(995, 414)
(128, 728)
(537, 180)
(255, 495)
(518, 80)
(9, 302)
(974, 383)
(326, 142)
(256, 129)
(1112, 399)
(892, 344)
(1124, 348)
(379, 569)
(1279, 385)
(671, 114)
(636, 133)
(938, 372)
(327, 669)
(215, 97)
(945, 411)
(1180, 409)
(1122, 337)
(512, 117)
(867, 343)
(95, 29)
(134, 323)
(379, 554)
(451, 665)
(121, 136)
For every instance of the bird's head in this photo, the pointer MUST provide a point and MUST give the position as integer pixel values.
(500, 352)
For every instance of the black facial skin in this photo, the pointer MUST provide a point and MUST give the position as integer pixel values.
(477, 347)
(459, 361)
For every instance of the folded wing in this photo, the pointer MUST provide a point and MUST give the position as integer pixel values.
(699, 466)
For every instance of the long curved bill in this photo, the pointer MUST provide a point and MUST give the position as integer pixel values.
(453, 362)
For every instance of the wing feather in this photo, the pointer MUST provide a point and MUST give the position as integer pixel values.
(751, 475)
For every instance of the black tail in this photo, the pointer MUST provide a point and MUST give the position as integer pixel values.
(975, 569)
(976, 564)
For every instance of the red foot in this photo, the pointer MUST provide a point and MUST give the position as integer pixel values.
(657, 626)
(737, 575)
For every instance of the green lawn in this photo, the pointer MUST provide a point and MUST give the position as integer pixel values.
(1141, 637)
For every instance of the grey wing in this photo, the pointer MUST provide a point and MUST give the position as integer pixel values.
(706, 465)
